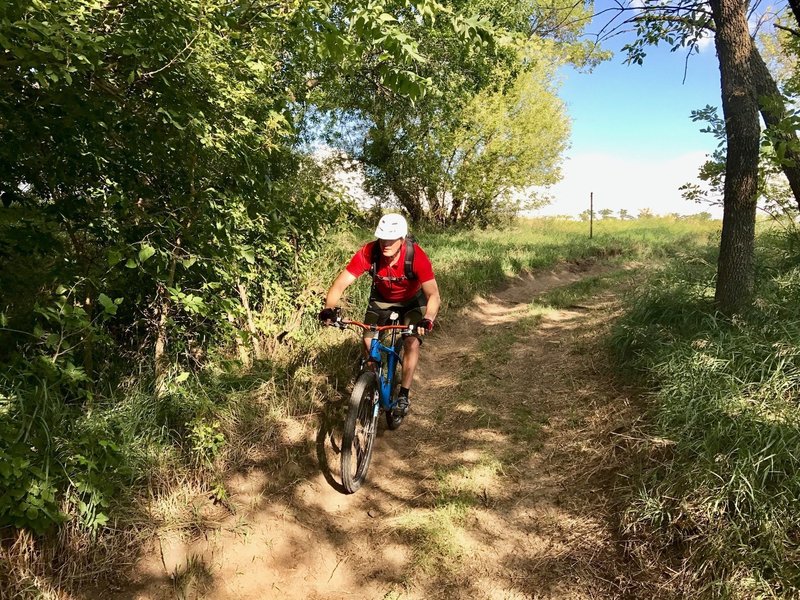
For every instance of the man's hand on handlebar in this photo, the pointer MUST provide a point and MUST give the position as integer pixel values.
(425, 326)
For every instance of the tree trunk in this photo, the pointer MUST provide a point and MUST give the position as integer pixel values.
(251, 325)
(436, 209)
(735, 268)
(409, 201)
(160, 350)
(795, 6)
(88, 339)
(244, 355)
(773, 111)
(455, 210)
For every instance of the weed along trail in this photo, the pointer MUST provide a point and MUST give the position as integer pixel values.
(498, 485)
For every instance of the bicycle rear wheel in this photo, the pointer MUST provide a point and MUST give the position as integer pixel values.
(359, 432)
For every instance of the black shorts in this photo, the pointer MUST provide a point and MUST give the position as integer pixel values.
(411, 312)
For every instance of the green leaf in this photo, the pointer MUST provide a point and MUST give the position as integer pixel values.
(114, 257)
(145, 252)
(109, 305)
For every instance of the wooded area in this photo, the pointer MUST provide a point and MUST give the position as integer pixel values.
(165, 206)
(161, 200)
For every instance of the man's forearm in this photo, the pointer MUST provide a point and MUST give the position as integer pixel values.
(337, 289)
(432, 307)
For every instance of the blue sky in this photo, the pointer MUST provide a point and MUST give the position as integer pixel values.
(633, 142)
(642, 110)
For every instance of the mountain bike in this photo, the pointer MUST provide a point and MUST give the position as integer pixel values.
(374, 391)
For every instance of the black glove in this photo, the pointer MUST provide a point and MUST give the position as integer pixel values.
(425, 324)
(327, 314)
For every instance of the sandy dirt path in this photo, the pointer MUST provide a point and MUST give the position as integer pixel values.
(498, 485)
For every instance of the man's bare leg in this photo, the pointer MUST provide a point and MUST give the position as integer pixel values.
(410, 360)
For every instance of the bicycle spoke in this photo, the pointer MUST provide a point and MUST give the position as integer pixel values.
(361, 433)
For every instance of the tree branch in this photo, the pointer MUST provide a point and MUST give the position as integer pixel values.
(175, 59)
(681, 15)
(794, 32)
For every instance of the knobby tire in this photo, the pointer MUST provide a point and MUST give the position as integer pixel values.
(360, 428)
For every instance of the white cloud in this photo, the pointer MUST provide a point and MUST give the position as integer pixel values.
(631, 183)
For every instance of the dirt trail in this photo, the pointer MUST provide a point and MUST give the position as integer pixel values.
(496, 486)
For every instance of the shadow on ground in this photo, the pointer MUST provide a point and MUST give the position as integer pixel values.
(489, 489)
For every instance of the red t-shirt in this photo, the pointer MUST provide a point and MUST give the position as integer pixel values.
(391, 283)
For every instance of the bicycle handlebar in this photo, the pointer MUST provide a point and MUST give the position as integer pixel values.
(342, 323)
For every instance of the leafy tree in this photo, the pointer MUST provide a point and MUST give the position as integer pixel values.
(606, 213)
(645, 213)
(505, 141)
(156, 201)
(624, 215)
(428, 156)
(775, 195)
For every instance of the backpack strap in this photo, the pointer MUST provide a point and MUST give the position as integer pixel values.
(373, 267)
(409, 261)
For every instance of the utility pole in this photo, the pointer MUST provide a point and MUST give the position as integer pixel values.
(591, 213)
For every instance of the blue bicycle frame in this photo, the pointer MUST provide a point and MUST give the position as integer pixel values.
(386, 371)
(385, 380)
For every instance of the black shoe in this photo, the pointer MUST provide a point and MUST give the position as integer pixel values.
(402, 405)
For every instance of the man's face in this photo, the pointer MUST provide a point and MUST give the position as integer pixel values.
(391, 247)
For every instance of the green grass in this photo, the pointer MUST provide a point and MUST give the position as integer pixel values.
(436, 534)
(719, 495)
(570, 295)
(470, 263)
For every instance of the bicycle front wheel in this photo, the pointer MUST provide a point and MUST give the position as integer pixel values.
(359, 432)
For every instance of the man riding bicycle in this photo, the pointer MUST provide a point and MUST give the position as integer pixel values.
(402, 281)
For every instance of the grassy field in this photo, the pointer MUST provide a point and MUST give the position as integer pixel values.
(716, 491)
(223, 416)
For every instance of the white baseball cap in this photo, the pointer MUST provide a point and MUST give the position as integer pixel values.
(391, 227)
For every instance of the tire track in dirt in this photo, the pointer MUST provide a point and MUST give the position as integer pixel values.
(496, 486)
